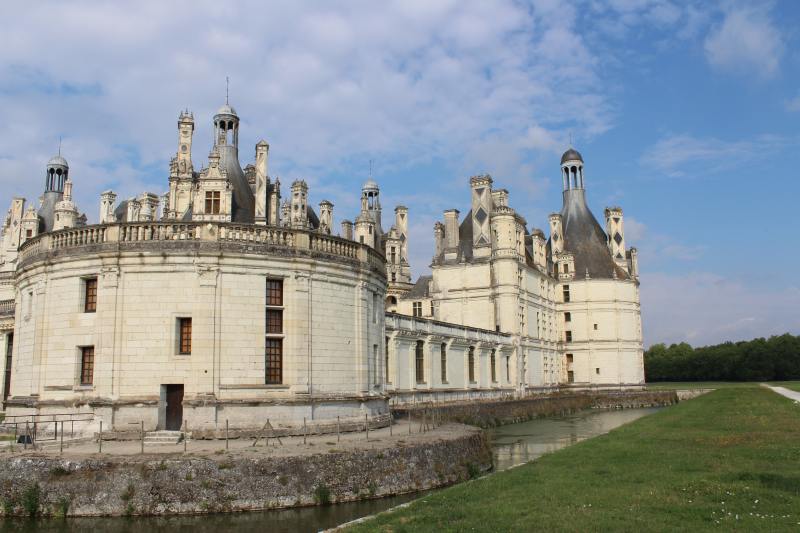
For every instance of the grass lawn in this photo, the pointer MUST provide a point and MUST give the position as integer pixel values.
(728, 460)
(673, 385)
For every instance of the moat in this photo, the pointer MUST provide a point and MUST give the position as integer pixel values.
(512, 445)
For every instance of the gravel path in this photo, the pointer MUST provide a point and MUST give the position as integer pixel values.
(783, 391)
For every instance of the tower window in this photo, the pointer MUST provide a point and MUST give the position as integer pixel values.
(184, 336)
(567, 317)
(420, 362)
(569, 358)
(417, 307)
(386, 358)
(212, 202)
(90, 295)
(443, 361)
(595, 327)
(566, 268)
(568, 336)
(508, 369)
(87, 365)
(273, 343)
(274, 360)
(393, 255)
(566, 293)
(492, 363)
(471, 364)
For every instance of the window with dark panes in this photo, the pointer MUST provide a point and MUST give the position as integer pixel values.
(87, 365)
(90, 295)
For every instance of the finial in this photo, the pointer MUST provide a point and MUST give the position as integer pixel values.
(227, 83)
(59, 145)
(570, 139)
(370, 169)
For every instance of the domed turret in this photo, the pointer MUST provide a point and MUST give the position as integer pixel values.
(571, 155)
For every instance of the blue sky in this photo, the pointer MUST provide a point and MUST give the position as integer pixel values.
(686, 114)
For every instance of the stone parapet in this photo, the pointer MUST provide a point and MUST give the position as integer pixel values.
(208, 236)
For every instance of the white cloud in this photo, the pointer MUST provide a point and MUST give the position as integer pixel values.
(703, 308)
(656, 248)
(745, 42)
(680, 155)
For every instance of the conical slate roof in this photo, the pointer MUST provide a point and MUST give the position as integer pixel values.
(586, 240)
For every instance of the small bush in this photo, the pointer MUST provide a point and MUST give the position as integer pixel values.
(62, 507)
(473, 470)
(322, 495)
(283, 480)
(58, 471)
(31, 499)
(9, 505)
(128, 493)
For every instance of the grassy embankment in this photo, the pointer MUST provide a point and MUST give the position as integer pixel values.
(726, 460)
(675, 385)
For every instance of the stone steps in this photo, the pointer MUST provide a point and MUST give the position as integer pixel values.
(163, 437)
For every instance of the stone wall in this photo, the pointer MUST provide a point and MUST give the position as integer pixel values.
(95, 486)
(498, 413)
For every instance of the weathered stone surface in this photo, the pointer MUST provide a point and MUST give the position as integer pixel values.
(177, 484)
(501, 412)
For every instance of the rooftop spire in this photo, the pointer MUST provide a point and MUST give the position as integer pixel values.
(227, 83)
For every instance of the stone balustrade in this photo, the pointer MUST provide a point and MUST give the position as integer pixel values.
(6, 307)
(426, 327)
(204, 232)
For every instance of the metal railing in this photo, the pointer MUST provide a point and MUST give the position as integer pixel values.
(35, 428)
(6, 307)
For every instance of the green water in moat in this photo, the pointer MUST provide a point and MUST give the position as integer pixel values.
(513, 444)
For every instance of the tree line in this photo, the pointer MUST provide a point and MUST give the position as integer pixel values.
(773, 359)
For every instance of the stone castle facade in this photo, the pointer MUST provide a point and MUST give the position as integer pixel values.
(221, 300)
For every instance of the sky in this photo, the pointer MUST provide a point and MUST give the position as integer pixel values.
(686, 114)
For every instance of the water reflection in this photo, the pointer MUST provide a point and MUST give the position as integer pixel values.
(519, 443)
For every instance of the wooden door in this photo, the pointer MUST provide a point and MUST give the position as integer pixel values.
(174, 407)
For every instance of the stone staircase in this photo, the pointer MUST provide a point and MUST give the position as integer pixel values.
(163, 437)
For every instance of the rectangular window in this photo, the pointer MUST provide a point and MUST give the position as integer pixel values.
(212, 202)
(87, 365)
(386, 358)
(508, 370)
(595, 327)
(29, 233)
(9, 356)
(471, 364)
(597, 371)
(417, 306)
(394, 276)
(568, 336)
(566, 268)
(571, 376)
(493, 364)
(274, 365)
(273, 343)
(393, 255)
(567, 317)
(274, 321)
(566, 293)
(90, 295)
(443, 361)
(275, 292)
(375, 307)
(569, 358)
(432, 313)
(185, 336)
(420, 362)
(374, 365)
